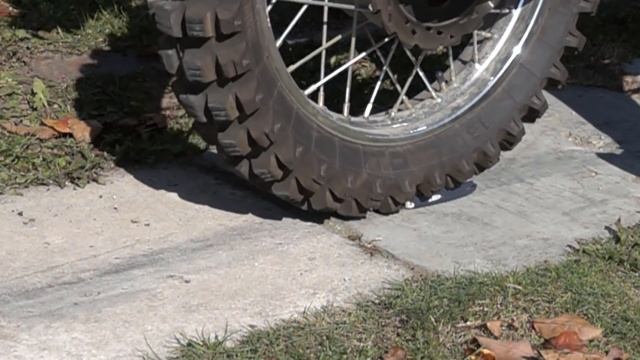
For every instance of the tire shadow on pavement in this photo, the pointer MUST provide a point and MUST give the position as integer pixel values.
(206, 180)
(613, 114)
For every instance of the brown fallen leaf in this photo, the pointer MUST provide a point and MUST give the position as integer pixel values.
(568, 340)
(482, 354)
(507, 350)
(85, 131)
(550, 328)
(6, 10)
(617, 354)
(62, 126)
(569, 355)
(395, 353)
(40, 132)
(82, 130)
(495, 327)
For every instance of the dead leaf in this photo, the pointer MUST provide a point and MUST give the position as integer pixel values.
(40, 132)
(6, 10)
(396, 353)
(482, 354)
(550, 328)
(568, 340)
(569, 355)
(62, 126)
(495, 327)
(617, 354)
(83, 131)
(507, 350)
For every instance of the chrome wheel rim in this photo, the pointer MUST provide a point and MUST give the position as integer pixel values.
(367, 81)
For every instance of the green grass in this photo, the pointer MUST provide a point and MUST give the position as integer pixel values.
(26, 162)
(600, 281)
(132, 107)
(134, 128)
(75, 26)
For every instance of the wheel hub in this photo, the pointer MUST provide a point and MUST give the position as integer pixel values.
(432, 24)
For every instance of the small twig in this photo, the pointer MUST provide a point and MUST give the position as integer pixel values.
(514, 286)
(470, 325)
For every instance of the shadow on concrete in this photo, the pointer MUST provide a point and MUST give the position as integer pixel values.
(204, 180)
(614, 114)
(126, 81)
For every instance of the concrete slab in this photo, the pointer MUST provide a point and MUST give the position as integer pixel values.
(98, 272)
(576, 171)
(94, 273)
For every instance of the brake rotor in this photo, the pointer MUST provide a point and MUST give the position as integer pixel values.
(432, 24)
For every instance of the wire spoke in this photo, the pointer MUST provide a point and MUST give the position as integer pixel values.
(422, 75)
(323, 57)
(346, 111)
(384, 72)
(475, 48)
(270, 6)
(291, 25)
(322, 49)
(333, 5)
(416, 69)
(387, 68)
(452, 65)
(313, 88)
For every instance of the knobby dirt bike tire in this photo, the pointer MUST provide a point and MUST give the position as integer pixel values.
(227, 80)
